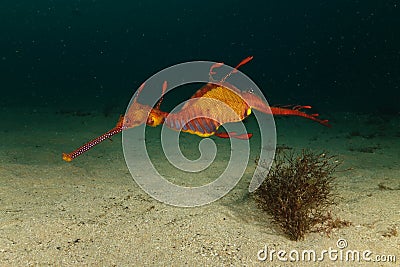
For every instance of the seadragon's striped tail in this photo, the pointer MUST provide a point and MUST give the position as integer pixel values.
(296, 111)
(255, 102)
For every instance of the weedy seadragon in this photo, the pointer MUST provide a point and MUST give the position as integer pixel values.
(209, 108)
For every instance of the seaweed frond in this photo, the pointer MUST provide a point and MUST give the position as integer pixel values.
(298, 190)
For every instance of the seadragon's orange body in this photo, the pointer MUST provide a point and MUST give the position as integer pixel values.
(213, 105)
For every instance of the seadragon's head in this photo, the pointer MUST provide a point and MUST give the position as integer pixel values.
(136, 115)
(139, 114)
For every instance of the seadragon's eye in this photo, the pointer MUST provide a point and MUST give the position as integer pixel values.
(126, 123)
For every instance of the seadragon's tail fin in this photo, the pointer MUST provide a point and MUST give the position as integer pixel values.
(297, 111)
(255, 102)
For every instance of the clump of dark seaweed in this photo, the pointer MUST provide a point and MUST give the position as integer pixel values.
(298, 190)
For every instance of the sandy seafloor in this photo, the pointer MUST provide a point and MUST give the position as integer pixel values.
(91, 212)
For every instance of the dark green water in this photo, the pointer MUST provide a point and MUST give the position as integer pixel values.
(68, 68)
(92, 54)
